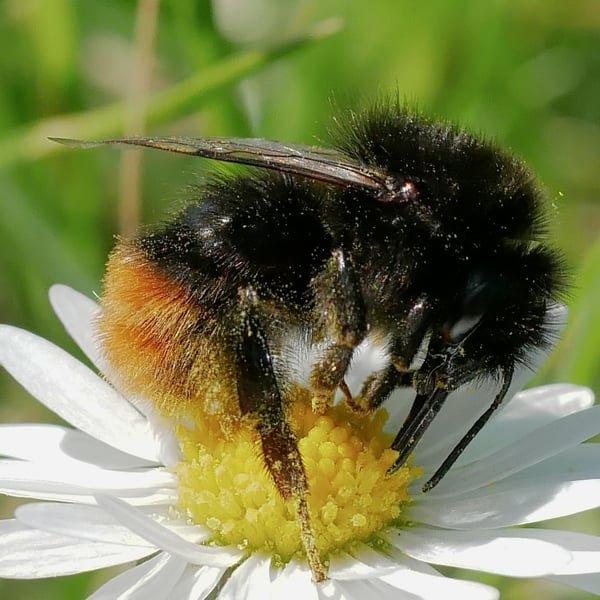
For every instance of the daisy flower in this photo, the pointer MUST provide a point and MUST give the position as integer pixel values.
(198, 517)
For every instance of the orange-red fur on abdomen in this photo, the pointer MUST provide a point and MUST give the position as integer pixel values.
(155, 342)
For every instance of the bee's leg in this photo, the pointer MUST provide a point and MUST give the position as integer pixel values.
(403, 348)
(378, 387)
(341, 322)
(507, 376)
(259, 395)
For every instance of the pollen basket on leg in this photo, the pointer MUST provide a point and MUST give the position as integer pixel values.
(224, 484)
(154, 339)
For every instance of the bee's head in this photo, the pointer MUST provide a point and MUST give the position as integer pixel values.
(492, 317)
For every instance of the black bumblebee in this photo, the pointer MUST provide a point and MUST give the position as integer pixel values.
(413, 231)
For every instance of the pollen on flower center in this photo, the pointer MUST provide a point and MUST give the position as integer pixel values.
(225, 486)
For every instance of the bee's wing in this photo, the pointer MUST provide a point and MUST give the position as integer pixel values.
(321, 164)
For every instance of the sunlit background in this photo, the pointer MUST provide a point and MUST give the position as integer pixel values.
(526, 73)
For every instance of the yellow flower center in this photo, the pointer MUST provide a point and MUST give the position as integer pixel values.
(225, 486)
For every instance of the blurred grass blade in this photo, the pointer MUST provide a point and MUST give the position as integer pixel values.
(580, 357)
(57, 258)
(31, 143)
(55, 55)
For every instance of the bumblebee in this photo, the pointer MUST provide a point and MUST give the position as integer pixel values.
(409, 230)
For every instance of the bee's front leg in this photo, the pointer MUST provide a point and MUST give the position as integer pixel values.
(403, 347)
(341, 321)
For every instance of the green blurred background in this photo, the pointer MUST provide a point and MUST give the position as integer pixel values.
(526, 73)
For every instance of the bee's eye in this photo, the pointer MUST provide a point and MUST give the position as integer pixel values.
(408, 191)
(400, 192)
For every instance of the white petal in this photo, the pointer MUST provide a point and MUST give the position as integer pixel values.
(359, 589)
(155, 533)
(181, 527)
(419, 580)
(196, 583)
(366, 563)
(437, 587)
(492, 508)
(413, 580)
(72, 481)
(77, 313)
(53, 443)
(164, 432)
(43, 490)
(426, 583)
(525, 412)
(79, 521)
(580, 462)
(588, 583)
(544, 442)
(154, 579)
(516, 554)
(250, 581)
(329, 590)
(40, 443)
(70, 494)
(584, 549)
(366, 359)
(75, 393)
(296, 577)
(29, 553)
(83, 476)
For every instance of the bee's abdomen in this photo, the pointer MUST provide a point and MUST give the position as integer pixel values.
(155, 337)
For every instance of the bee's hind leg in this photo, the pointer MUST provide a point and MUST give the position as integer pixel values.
(259, 396)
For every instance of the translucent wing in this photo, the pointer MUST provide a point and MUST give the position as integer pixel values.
(321, 164)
